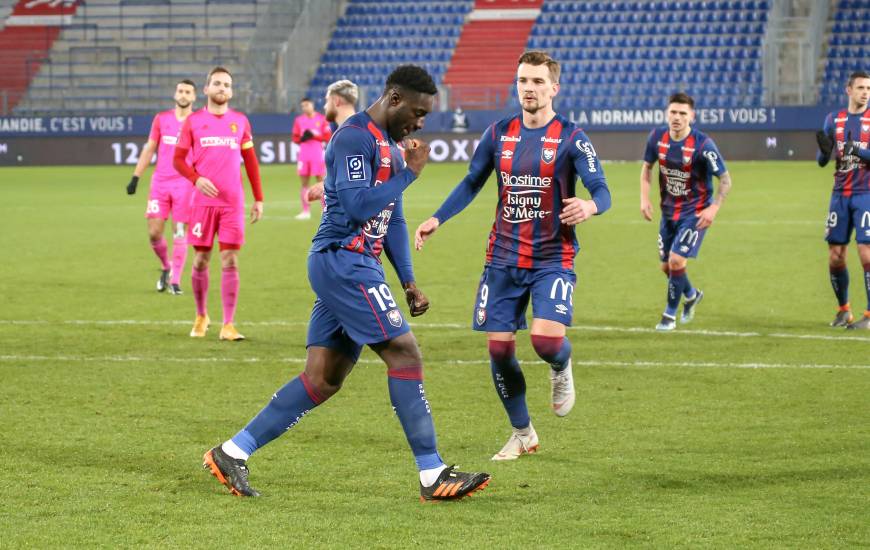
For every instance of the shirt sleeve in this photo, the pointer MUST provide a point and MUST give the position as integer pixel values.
(326, 131)
(713, 158)
(154, 135)
(353, 150)
(397, 245)
(650, 154)
(479, 170)
(588, 167)
(185, 136)
(828, 128)
(297, 132)
(247, 136)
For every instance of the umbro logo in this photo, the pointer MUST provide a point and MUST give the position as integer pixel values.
(561, 309)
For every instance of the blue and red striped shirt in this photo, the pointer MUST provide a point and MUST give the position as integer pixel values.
(361, 156)
(536, 168)
(686, 170)
(852, 172)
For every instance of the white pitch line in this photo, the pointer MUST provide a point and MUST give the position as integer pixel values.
(579, 328)
(301, 360)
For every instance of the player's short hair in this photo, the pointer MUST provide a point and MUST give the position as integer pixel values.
(856, 75)
(216, 70)
(186, 82)
(411, 77)
(683, 98)
(537, 57)
(304, 99)
(345, 89)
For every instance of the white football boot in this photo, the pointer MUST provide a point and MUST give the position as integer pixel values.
(519, 445)
(562, 394)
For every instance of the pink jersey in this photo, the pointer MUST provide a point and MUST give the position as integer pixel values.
(311, 150)
(164, 131)
(216, 143)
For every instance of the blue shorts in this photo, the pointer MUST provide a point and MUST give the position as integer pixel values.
(680, 237)
(504, 292)
(354, 305)
(846, 213)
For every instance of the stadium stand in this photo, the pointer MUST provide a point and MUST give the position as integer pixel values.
(124, 55)
(847, 48)
(503, 22)
(633, 54)
(372, 37)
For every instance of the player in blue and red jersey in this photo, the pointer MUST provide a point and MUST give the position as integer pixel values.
(366, 176)
(538, 156)
(688, 159)
(846, 138)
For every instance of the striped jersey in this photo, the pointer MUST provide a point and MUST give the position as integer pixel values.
(536, 169)
(686, 170)
(852, 172)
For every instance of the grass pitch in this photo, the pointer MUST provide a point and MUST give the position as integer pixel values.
(748, 428)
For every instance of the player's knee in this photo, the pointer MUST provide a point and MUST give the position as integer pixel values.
(665, 268)
(502, 352)
(675, 264)
(547, 347)
(405, 350)
(838, 256)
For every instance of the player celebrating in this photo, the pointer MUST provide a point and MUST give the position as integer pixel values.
(354, 306)
(532, 244)
(341, 98)
(688, 160)
(310, 131)
(849, 130)
(218, 138)
(170, 192)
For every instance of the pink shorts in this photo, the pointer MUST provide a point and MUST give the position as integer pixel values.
(311, 168)
(169, 196)
(207, 221)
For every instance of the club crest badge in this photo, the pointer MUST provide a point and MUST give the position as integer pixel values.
(547, 155)
(234, 127)
(481, 316)
(395, 318)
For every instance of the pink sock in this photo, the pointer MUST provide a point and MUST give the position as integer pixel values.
(229, 292)
(199, 284)
(303, 196)
(159, 247)
(179, 256)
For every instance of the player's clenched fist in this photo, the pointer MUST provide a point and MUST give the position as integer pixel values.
(417, 301)
(416, 154)
(424, 231)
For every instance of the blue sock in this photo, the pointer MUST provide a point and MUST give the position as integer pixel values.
(285, 410)
(688, 290)
(676, 283)
(510, 384)
(840, 284)
(555, 350)
(409, 402)
(867, 284)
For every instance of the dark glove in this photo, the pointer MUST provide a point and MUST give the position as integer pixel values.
(417, 301)
(131, 187)
(851, 148)
(826, 144)
(306, 135)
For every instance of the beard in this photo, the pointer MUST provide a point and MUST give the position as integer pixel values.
(219, 99)
(532, 107)
(183, 104)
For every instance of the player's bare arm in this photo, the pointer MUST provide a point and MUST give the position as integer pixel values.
(144, 160)
(576, 210)
(707, 215)
(646, 207)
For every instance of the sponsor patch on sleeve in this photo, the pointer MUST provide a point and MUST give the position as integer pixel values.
(356, 168)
